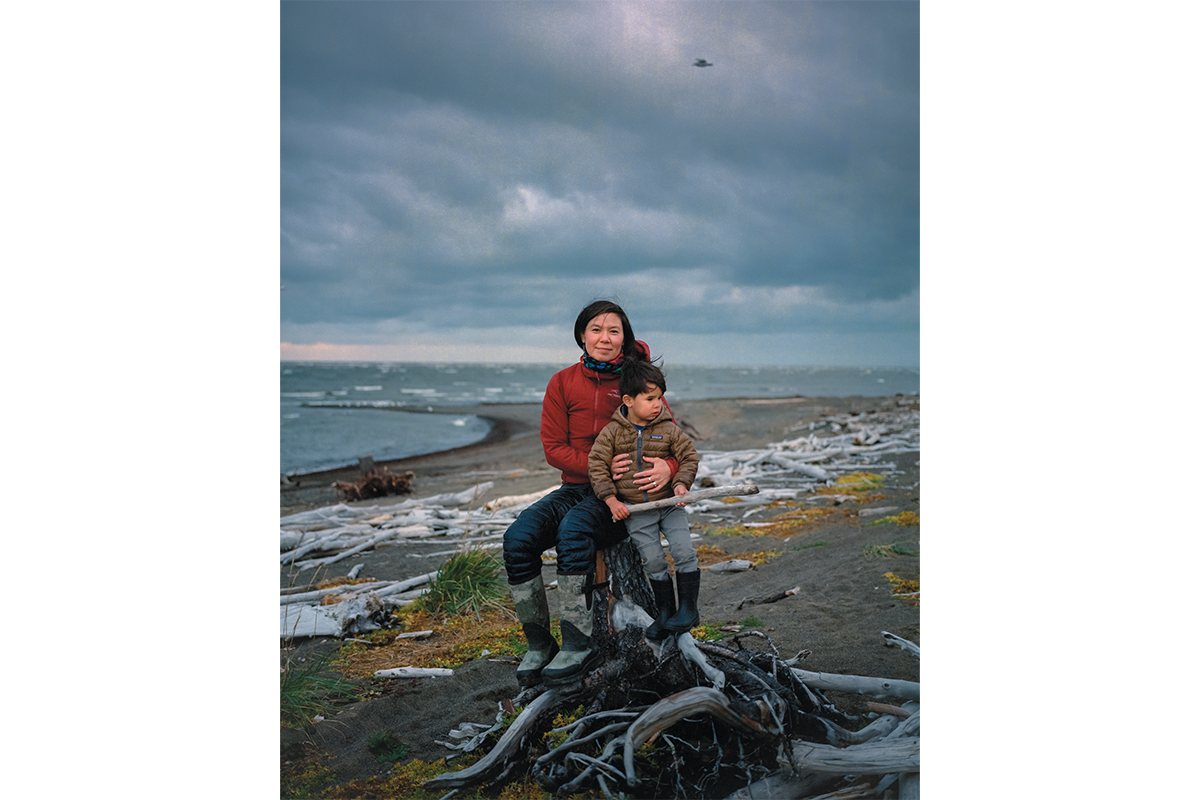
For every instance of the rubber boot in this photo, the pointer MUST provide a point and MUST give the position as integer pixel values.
(534, 614)
(577, 654)
(687, 617)
(664, 598)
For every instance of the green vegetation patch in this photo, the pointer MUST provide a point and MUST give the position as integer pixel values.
(706, 632)
(306, 690)
(407, 781)
(386, 747)
(306, 782)
(470, 579)
(889, 550)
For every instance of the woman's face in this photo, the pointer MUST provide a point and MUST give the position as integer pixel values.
(603, 337)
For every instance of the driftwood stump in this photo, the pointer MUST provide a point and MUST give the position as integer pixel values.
(684, 719)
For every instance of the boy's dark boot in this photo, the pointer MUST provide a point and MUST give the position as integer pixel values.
(687, 617)
(530, 601)
(577, 654)
(664, 598)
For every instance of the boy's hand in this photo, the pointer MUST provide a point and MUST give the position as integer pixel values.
(680, 492)
(619, 510)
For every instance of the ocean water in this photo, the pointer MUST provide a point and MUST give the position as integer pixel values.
(332, 413)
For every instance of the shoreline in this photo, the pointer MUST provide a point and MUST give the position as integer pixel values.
(511, 453)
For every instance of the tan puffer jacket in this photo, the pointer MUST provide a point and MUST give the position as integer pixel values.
(662, 438)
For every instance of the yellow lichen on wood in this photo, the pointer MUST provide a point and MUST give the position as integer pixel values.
(758, 557)
(857, 485)
(454, 642)
(905, 518)
(869, 479)
(910, 589)
(708, 555)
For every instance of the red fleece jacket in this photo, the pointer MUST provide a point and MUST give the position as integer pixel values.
(579, 402)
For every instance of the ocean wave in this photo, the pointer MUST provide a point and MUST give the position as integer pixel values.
(355, 404)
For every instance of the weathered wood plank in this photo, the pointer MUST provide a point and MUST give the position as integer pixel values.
(870, 758)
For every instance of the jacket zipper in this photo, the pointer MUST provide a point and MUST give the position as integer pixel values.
(645, 494)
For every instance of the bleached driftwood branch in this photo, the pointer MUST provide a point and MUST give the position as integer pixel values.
(687, 646)
(885, 708)
(870, 758)
(413, 672)
(324, 562)
(695, 496)
(892, 640)
(669, 710)
(320, 594)
(517, 499)
(873, 687)
(405, 585)
(494, 761)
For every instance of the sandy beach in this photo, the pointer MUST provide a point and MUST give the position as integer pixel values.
(844, 604)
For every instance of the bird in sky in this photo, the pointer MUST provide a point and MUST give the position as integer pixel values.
(700, 62)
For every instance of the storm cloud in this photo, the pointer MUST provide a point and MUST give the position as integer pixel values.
(459, 178)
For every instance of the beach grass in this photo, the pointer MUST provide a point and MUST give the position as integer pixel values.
(469, 579)
(889, 550)
(308, 689)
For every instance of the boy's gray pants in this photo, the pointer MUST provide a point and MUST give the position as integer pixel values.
(644, 528)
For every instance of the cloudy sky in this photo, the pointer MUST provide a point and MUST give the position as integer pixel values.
(459, 178)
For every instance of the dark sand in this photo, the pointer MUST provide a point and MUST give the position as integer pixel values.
(845, 603)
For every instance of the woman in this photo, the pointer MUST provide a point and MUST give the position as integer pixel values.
(579, 402)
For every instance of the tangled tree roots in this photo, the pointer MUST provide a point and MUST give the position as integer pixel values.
(378, 482)
(697, 720)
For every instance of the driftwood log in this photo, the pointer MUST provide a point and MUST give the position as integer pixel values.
(695, 496)
(688, 719)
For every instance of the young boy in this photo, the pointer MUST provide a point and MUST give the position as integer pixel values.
(642, 427)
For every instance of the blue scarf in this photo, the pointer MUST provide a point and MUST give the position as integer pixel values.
(612, 367)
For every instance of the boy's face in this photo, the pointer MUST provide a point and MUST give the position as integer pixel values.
(645, 407)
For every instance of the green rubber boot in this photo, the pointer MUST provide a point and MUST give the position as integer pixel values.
(534, 614)
(577, 654)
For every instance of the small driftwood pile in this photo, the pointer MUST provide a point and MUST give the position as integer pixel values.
(692, 719)
(343, 530)
(377, 482)
(834, 446)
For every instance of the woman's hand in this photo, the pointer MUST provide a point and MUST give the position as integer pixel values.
(621, 463)
(656, 475)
